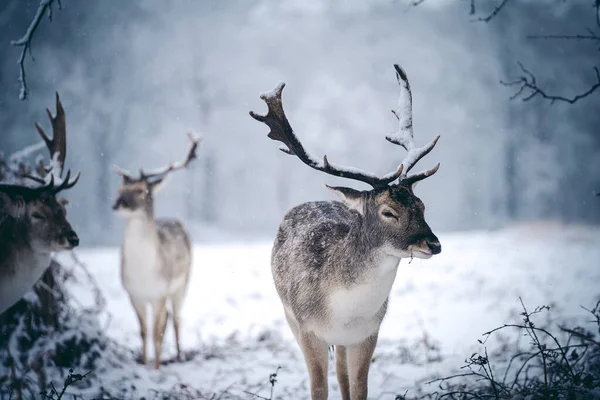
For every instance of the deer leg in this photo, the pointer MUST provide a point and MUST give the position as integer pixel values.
(159, 311)
(316, 355)
(359, 360)
(140, 311)
(341, 369)
(176, 304)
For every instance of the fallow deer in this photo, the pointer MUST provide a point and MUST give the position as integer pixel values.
(156, 254)
(33, 221)
(334, 263)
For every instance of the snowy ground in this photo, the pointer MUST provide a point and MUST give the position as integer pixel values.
(234, 333)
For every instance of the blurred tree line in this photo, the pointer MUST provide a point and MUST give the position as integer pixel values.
(135, 78)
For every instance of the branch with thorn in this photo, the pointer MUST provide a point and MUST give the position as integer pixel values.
(529, 89)
(45, 7)
(473, 9)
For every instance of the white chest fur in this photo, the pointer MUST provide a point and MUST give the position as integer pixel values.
(141, 261)
(354, 311)
(30, 268)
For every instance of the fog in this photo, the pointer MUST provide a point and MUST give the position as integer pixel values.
(135, 77)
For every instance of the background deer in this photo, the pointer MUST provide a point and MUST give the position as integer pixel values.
(33, 221)
(334, 263)
(156, 254)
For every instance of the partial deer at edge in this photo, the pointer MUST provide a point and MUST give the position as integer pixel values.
(334, 263)
(156, 255)
(33, 221)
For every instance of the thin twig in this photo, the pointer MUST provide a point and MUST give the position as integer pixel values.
(567, 37)
(25, 42)
(597, 7)
(494, 12)
(528, 83)
(580, 335)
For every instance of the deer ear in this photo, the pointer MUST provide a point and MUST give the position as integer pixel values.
(15, 207)
(126, 179)
(350, 197)
(62, 201)
(157, 184)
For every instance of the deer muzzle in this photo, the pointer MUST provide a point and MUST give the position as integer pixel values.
(426, 243)
(72, 238)
(434, 244)
(119, 203)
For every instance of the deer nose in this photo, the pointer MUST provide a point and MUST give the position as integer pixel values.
(120, 203)
(72, 238)
(434, 245)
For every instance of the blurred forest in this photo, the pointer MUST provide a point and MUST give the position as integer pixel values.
(135, 76)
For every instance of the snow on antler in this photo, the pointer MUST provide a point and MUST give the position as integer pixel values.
(282, 131)
(161, 172)
(405, 136)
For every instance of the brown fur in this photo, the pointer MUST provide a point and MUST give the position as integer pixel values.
(30, 230)
(325, 248)
(155, 262)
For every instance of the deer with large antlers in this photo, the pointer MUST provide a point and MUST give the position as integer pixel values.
(156, 254)
(334, 263)
(33, 221)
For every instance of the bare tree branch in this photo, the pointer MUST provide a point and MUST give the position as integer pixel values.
(591, 36)
(473, 10)
(494, 12)
(528, 88)
(597, 7)
(25, 41)
(526, 84)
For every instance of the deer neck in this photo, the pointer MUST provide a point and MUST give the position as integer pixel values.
(20, 265)
(365, 246)
(141, 228)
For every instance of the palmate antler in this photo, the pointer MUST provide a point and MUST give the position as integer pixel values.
(57, 147)
(160, 173)
(281, 131)
(32, 193)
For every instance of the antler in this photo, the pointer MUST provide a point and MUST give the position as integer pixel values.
(57, 146)
(282, 131)
(190, 155)
(405, 136)
(50, 187)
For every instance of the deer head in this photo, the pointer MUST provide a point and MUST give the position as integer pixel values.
(136, 193)
(42, 215)
(392, 214)
(38, 213)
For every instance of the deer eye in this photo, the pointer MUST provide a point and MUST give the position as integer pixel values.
(388, 214)
(37, 216)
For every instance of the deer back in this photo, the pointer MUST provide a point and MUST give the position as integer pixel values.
(175, 250)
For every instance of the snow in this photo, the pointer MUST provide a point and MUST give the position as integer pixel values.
(273, 93)
(25, 152)
(234, 334)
